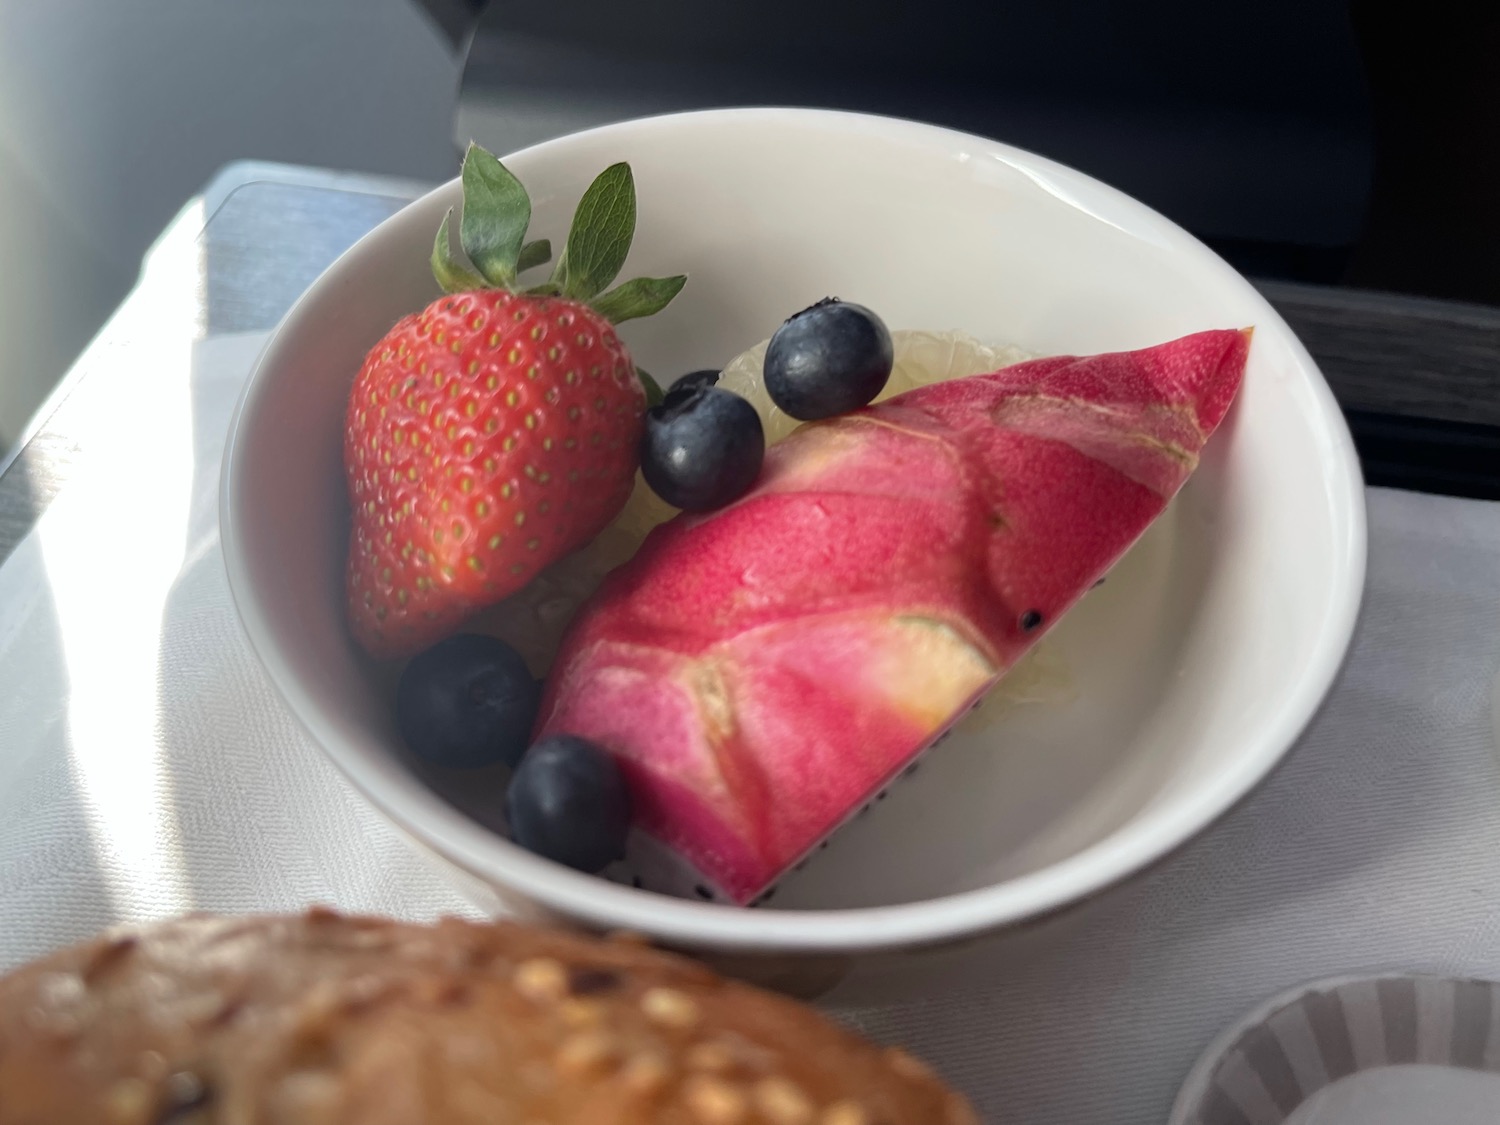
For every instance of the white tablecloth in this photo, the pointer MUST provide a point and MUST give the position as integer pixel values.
(146, 767)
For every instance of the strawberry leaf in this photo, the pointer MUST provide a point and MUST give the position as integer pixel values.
(653, 388)
(600, 236)
(534, 254)
(496, 213)
(644, 296)
(451, 274)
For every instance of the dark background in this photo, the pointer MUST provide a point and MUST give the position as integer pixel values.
(1318, 140)
(1342, 143)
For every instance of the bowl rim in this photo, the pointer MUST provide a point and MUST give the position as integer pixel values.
(421, 813)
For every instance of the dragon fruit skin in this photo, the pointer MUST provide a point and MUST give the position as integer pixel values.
(763, 670)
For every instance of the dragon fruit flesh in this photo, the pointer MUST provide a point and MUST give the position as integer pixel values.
(764, 670)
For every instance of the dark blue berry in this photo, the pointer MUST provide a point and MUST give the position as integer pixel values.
(828, 359)
(707, 378)
(466, 702)
(567, 801)
(703, 446)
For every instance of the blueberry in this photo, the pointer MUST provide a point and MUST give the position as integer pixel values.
(468, 701)
(692, 379)
(568, 802)
(828, 359)
(703, 445)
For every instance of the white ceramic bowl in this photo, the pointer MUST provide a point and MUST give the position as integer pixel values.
(1188, 674)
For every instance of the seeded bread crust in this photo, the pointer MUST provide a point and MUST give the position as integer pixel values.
(327, 1019)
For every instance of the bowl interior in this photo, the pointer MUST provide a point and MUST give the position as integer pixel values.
(1168, 692)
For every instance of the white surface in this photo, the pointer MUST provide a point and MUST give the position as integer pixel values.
(1495, 710)
(1375, 846)
(1195, 671)
(146, 767)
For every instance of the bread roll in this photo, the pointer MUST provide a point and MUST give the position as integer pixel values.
(327, 1019)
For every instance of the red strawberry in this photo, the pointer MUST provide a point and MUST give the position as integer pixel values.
(498, 429)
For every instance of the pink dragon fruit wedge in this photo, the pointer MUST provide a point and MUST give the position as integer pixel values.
(763, 671)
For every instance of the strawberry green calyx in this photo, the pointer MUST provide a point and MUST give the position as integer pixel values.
(654, 393)
(493, 251)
